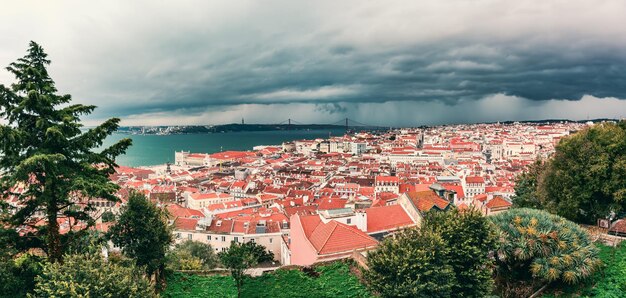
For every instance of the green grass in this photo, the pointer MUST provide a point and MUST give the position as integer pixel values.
(334, 280)
(607, 283)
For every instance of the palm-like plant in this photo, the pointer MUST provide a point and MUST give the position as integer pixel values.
(537, 247)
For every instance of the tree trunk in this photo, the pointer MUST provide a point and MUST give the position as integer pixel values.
(54, 240)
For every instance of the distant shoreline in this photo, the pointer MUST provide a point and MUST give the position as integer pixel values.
(235, 127)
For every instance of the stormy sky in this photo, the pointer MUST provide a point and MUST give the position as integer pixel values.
(377, 62)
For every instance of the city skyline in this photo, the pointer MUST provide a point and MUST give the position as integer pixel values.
(381, 63)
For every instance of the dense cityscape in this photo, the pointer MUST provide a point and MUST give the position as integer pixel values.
(350, 149)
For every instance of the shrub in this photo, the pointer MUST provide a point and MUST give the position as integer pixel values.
(538, 248)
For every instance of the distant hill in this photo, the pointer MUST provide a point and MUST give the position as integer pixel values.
(236, 127)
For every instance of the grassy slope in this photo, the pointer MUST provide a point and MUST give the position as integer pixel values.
(611, 282)
(334, 280)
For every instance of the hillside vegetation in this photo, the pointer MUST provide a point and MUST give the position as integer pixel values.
(333, 280)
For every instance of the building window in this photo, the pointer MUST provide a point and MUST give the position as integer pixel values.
(223, 238)
(252, 240)
(236, 239)
(270, 240)
(189, 236)
(208, 237)
(349, 220)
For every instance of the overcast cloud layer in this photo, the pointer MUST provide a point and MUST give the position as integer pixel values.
(378, 62)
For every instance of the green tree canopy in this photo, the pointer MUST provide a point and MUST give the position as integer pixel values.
(586, 179)
(411, 263)
(142, 233)
(89, 275)
(192, 255)
(447, 256)
(240, 257)
(537, 248)
(470, 237)
(43, 149)
(527, 191)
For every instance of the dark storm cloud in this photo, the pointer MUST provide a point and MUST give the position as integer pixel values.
(328, 58)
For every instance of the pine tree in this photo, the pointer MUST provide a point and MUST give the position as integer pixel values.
(43, 149)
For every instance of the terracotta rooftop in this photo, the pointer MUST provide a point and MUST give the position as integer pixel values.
(334, 237)
(387, 218)
(498, 202)
(176, 210)
(426, 200)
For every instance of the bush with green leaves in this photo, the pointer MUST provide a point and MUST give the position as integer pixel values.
(89, 275)
(586, 178)
(538, 248)
(241, 256)
(470, 237)
(412, 263)
(192, 255)
(448, 255)
(143, 234)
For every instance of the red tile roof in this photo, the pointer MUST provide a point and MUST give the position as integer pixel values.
(426, 200)
(498, 202)
(328, 203)
(474, 179)
(392, 179)
(334, 237)
(176, 210)
(188, 224)
(387, 218)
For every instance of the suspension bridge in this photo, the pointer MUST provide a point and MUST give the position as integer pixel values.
(346, 122)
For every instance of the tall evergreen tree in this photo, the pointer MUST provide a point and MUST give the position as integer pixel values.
(43, 149)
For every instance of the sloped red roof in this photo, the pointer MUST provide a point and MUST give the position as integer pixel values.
(334, 237)
(426, 200)
(329, 203)
(456, 188)
(185, 223)
(498, 202)
(387, 218)
(481, 197)
(176, 210)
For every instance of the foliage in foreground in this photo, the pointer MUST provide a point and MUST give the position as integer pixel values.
(143, 234)
(17, 276)
(448, 256)
(585, 180)
(411, 264)
(334, 280)
(85, 275)
(539, 248)
(241, 256)
(44, 150)
(192, 255)
(609, 282)
(470, 237)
